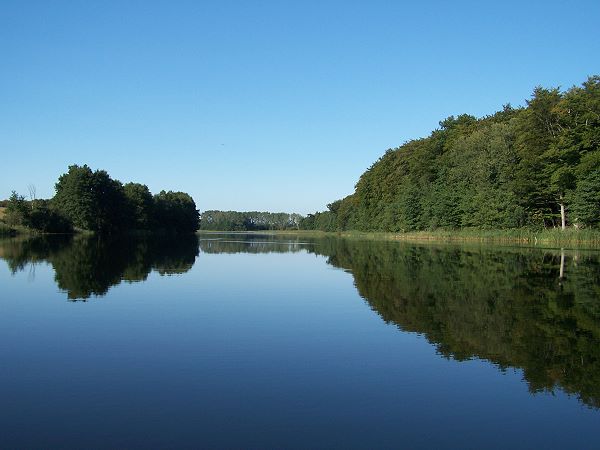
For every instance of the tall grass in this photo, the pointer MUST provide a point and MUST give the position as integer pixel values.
(525, 236)
(5, 230)
(545, 238)
(549, 237)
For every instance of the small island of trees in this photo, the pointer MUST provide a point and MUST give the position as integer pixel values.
(92, 200)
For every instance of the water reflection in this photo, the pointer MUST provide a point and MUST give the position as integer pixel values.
(533, 309)
(524, 308)
(537, 310)
(88, 266)
(252, 243)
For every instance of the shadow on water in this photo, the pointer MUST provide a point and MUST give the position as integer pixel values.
(88, 266)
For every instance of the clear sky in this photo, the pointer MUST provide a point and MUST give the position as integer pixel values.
(263, 105)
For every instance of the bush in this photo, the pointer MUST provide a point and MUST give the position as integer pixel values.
(47, 220)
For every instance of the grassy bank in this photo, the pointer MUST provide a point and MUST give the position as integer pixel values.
(554, 237)
(5, 230)
(524, 236)
(16, 230)
(19, 230)
(557, 238)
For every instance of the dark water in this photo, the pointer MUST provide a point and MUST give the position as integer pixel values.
(257, 341)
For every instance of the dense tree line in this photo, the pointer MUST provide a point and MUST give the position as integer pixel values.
(248, 221)
(92, 200)
(536, 166)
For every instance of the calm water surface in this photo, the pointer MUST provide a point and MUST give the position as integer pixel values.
(257, 341)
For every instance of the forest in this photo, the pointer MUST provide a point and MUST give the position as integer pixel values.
(93, 201)
(536, 166)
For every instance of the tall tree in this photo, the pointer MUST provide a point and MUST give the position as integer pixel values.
(140, 205)
(91, 200)
(17, 210)
(176, 212)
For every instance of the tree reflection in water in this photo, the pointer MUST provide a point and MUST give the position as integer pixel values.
(88, 266)
(512, 307)
(533, 309)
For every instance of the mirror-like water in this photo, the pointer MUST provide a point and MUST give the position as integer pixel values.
(261, 341)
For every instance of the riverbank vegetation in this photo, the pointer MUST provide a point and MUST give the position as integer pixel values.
(93, 201)
(540, 237)
(536, 167)
(5, 230)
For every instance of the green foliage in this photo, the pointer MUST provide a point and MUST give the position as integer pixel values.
(5, 230)
(75, 196)
(92, 200)
(17, 210)
(44, 218)
(586, 200)
(36, 215)
(325, 221)
(175, 212)
(140, 205)
(512, 169)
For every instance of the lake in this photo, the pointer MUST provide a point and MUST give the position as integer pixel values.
(272, 341)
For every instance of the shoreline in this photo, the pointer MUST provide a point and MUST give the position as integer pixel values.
(523, 237)
(531, 238)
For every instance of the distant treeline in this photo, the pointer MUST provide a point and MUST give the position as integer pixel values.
(248, 221)
(536, 166)
(92, 200)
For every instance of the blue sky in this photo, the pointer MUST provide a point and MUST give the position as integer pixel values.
(263, 105)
